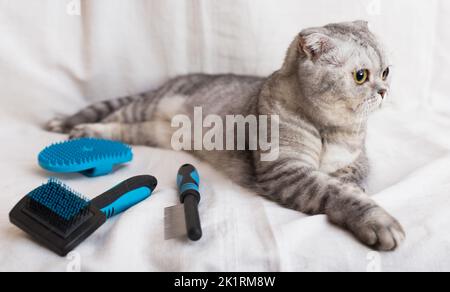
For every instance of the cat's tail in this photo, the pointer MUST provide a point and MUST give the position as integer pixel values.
(92, 114)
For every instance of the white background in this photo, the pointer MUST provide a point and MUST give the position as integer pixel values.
(117, 47)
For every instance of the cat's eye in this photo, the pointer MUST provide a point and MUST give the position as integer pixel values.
(386, 73)
(361, 76)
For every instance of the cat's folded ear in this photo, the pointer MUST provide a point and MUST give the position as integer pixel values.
(362, 24)
(315, 44)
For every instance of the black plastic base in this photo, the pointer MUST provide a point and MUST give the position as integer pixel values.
(50, 237)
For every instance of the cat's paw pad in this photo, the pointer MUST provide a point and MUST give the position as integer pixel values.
(85, 131)
(379, 230)
(57, 125)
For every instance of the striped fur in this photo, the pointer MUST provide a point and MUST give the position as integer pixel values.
(323, 115)
(93, 114)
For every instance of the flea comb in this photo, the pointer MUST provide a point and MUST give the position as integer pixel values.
(60, 219)
(92, 157)
(184, 219)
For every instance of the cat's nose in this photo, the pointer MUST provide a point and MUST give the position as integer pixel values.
(382, 92)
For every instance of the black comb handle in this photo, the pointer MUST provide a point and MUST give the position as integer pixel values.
(188, 181)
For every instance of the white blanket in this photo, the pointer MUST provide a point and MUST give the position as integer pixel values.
(54, 61)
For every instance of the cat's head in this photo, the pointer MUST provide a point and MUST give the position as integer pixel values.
(343, 71)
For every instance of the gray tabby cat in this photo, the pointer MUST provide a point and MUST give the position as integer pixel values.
(332, 77)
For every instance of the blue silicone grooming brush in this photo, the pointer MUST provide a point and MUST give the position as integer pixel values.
(92, 157)
(60, 219)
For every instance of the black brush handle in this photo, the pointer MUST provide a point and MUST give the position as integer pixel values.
(188, 181)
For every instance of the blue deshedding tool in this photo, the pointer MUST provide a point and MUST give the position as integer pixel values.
(60, 218)
(92, 157)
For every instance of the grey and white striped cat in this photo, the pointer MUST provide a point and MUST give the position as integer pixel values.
(332, 78)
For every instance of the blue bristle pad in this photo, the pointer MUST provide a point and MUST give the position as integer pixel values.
(84, 154)
(63, 202)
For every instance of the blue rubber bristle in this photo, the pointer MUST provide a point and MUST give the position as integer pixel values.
(57, 204)
(90, 156)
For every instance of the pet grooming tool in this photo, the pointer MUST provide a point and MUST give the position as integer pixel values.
(60, 219)
(92, 157)
(184, 219)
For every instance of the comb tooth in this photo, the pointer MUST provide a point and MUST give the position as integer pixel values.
(174, 222)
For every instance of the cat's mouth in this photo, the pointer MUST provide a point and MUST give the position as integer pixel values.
(369, 106)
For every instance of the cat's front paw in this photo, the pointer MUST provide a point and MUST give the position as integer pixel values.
(378, 229)
(57, 125)
(86, 131)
